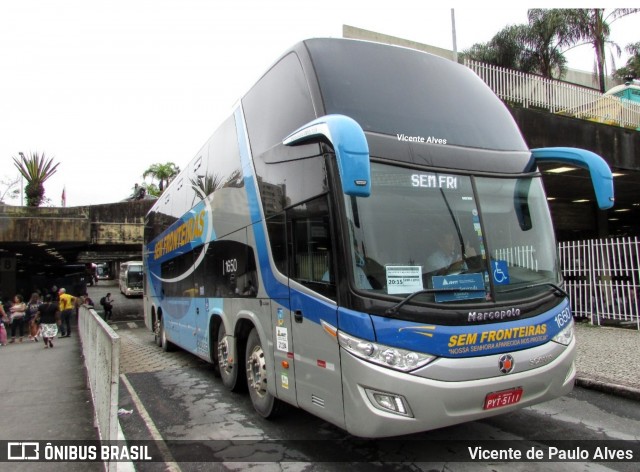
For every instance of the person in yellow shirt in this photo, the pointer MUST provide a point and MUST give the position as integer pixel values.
(66, 304)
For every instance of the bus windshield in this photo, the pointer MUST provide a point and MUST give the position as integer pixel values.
(454, 237)
(134, 276)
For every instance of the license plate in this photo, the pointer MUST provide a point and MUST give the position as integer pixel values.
(502, 398)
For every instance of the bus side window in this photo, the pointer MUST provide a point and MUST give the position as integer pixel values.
(311, 247)
(276, 227)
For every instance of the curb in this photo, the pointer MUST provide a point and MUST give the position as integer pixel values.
(625, 391)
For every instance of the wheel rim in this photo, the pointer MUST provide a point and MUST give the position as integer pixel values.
(223, 354)
(256, 369)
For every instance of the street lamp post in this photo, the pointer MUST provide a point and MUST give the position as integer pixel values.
(22, 181)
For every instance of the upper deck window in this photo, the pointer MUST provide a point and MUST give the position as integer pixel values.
(411, 95)
(278, 104)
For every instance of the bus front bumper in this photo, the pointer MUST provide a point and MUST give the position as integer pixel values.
(432, 404)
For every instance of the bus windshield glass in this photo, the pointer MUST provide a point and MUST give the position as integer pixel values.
(455, 237)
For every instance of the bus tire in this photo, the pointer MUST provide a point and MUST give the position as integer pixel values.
(228, 370)
(167, 345)
(213, 348)
(263, 402)
(156, 333)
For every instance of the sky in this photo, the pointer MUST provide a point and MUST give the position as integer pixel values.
(108, 88)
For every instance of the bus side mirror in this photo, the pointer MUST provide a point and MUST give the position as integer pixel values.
(601, 176)
(350, 145)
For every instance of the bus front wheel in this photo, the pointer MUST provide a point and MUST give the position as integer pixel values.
(264, 403)
(228, 362)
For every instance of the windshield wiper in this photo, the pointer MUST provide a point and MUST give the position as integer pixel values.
(557, 290)
(394, 309)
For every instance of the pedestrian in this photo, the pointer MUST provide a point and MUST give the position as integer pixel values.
(30, 315)
(66, 304)
(16, 317)
(4, 320)
(86, 300)
(107, 304)
(47, 319)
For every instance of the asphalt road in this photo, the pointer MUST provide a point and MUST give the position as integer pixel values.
(124, 308)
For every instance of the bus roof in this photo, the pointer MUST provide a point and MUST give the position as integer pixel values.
(410, 94)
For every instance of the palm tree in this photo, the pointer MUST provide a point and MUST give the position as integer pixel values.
(36, 169)
(163, 173)
(593, 26)
(531, 48)
(632, 69)
(546, 34)
(505, 49)
(205, 185)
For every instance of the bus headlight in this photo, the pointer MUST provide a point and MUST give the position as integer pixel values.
(565, 336)
(387, 356)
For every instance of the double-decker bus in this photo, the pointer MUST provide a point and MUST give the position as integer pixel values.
(131, 277)
(367, 237)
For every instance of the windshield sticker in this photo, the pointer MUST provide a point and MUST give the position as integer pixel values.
(420, 139)
(434, 181)
(458, 287)
(500, 272)
(478, 229)
(404, 279)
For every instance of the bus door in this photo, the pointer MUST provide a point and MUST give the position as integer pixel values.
(312, 298)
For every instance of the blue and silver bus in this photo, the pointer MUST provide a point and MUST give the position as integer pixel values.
(367, 237)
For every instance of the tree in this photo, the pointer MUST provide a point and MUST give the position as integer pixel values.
(531, 48)
(36, 169)
(163, 173)
(9, 188)
(593, 26)
(151, 189)
(632, 69)
(544, 38)
(505, 49)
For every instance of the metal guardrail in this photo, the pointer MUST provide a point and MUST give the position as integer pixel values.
(602, 278)
(557, 97)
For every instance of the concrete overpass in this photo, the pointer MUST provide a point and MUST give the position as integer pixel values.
(36, 241)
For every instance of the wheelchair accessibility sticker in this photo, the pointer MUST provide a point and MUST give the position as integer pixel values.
(500, 272)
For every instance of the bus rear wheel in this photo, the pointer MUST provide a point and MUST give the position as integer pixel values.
(263, 402)
(228, 362)
(167, 345)
(156, 333)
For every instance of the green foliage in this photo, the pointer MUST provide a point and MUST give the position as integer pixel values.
(533, 48)
(163, 173)
(632, 68)
(593, 26)
(539, 46)
(36, 169)
(151, 189)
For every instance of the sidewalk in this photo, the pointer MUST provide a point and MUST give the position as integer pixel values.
(608, 359)
(44, 396)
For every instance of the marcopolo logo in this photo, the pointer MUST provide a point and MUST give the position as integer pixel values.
(494, 315)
